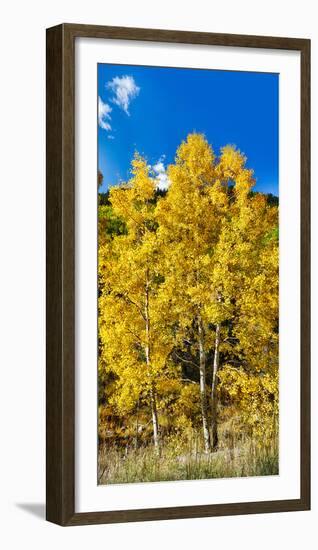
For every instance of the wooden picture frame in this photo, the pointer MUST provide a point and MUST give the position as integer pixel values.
(60, 332)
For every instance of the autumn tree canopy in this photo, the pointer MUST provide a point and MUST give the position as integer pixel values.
(188, 302)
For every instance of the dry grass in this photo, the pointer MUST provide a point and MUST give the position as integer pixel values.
(176, 463)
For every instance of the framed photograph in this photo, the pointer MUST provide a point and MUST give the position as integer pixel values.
(178, 274)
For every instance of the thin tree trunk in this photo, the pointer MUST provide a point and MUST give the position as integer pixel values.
(154, 413)
(203, 394)
(153, 398)
(137, 425)
(216, 362)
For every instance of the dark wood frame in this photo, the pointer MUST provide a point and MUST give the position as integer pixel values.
(60, 331)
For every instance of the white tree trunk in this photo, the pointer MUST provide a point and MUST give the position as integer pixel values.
(216, 362)
(153, 398)
(203, 393)
(154, 418)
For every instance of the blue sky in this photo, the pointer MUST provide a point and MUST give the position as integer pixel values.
(152, 109)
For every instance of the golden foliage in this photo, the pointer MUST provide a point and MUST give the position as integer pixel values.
(206, 251)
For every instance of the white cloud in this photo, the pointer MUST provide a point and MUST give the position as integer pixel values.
(110, 137)
(124, 89)
(104, 111)
(161, 175)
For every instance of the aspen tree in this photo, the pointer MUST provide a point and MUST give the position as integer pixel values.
(135, 343)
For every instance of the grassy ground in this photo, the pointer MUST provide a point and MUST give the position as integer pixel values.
(143, 464)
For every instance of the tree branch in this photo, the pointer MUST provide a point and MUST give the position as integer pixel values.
(188, 380)
(186, 360)
(130, 301)
(135, 335)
